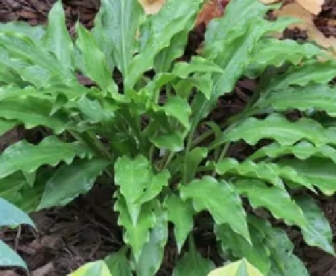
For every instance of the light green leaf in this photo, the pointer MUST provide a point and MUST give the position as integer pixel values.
(97, 268)
(275, 199)
(118, 264)
(169, 141)
(180, 213)
(69, 181)
(220, 199)
(28, 157)
(196, 65)
(318, 232)
(136, 232)
(256, 253)
(157, 32)
(310, 72)
(153, 251)
(192, 263)
(9, 258)
(276, 127)
(177, 108)
(94, 61)
(34, 32)
(12, 216)
(302, 150)
(270, 172)
(319, 171)
(57, 38)
(34, 112)
(237, 268)
(314, 96)
(275, 52)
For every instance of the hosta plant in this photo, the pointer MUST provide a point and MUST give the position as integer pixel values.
(148, 133)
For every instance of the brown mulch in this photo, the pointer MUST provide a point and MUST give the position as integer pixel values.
(87, 229)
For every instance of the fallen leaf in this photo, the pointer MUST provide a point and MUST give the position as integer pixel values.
(307, 24)
(313, 6)
(152, 6)
(211, 9)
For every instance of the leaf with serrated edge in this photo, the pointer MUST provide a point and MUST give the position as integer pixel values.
(276, 127)
(57, 38)
(153, 251)
(118, 264)
(302, 75)
(302, 150)
(270, 172)
(257, 254)
(275, 52)
(192, 263)
(28, 157)
(136, 233)
(275, 199)
(319, 171)
(314, 96)
(9, 258)
(34, 112)
(220, 199)
(318, 232)
(180, 213)
(69, 181)
(12, 216)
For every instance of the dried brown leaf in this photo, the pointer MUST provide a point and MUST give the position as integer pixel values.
(313, 6)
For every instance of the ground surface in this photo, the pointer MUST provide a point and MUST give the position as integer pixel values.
(87, 229)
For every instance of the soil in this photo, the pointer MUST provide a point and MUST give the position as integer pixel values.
(87, 229)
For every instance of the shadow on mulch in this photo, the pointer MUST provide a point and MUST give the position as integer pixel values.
(87, 229)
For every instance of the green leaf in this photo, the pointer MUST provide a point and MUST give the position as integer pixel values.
(302, 150)
(169, 141)
(94, 61)
(9, 258)
(317, 97)
(157, 32)
(12, 216)
(136, 233)
(276, 127)
(236, 269)
(256, 253)
(270, 172)
(302, 75)
(97, 268)
(275, 199)
(271, 51)
(191, 162)
(28, 157)
(319, 171)
(34, 32)
(153, 251)
(33, 112)
(220, 199)
(180, 213)
(122, 18)
(69, 181)
(177, 108)
(192, 263)
(318, 232)
(57, 38)
(118, 264)
(6, 126)
(284, 262)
